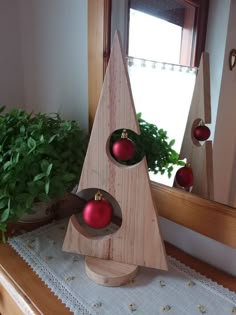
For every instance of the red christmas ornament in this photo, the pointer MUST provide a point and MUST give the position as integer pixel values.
(202, 133)
(97, 213)
(124, 148)
(184, 176)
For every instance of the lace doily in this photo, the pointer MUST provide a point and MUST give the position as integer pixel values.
(180, 291)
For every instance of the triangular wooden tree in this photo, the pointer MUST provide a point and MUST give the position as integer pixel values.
(138, 240)
(200, 156)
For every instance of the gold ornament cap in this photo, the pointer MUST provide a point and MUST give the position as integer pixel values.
(124, 134)
(98, 195)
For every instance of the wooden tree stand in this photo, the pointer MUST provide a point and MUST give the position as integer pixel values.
(113, 259)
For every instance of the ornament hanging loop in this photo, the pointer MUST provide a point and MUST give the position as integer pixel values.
(98, 195)
(124, 134)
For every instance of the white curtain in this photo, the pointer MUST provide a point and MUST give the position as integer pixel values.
(162, 93)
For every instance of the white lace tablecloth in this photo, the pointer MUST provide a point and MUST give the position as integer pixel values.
(180, 291)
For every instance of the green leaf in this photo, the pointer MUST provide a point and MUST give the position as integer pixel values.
(47, 186)
(16, 158)
(172, 142)
(44, 165)
(49, 169)
(22, 129)
(7, 165)
(52, 138)
(41, 139)
(38, 177)
(31, 143)
(5, 215)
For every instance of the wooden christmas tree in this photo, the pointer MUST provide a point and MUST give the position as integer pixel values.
(113, 259)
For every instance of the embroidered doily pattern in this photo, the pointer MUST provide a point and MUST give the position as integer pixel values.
(180, 291)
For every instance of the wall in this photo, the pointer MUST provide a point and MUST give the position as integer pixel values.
(11, 71)
(46, 56)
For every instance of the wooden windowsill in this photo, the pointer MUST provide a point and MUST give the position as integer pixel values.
(26, 287)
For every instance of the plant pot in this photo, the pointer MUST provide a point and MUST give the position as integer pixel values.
(41, 211)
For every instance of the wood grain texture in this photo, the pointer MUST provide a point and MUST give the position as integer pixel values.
(138, 241)
(26, 284)
(108, 272)
(98, 50)
(200, 156)
(95, 66)
(11, 299)
(78, 240)
(209, 218)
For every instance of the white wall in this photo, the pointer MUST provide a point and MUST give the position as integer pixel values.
(54, 50)
(46, 56)
(216, 254)
(11, 72)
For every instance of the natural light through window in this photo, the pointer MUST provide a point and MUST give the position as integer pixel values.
(153, 38)
(161, 88)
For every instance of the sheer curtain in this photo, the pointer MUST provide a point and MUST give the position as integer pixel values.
(162, 93)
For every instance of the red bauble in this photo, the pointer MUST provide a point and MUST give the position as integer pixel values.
(184, 176)
(124, 148)
(97, 213)
(202, 133)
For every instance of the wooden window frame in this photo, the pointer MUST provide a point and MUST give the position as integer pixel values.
(206, 217)
(194, 35)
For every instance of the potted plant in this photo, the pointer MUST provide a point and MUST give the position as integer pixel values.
(41, 158)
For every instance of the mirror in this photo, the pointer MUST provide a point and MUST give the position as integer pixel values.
(223, 159)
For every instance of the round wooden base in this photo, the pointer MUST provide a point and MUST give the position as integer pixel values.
(108, 272)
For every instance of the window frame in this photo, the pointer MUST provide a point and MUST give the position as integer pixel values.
(194, 31)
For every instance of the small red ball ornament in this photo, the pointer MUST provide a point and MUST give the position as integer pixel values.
(124, 148)
(97, 213)
(184, 176)
(201, 133)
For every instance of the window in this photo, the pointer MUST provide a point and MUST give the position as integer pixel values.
(187, 18)
(152, 38)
